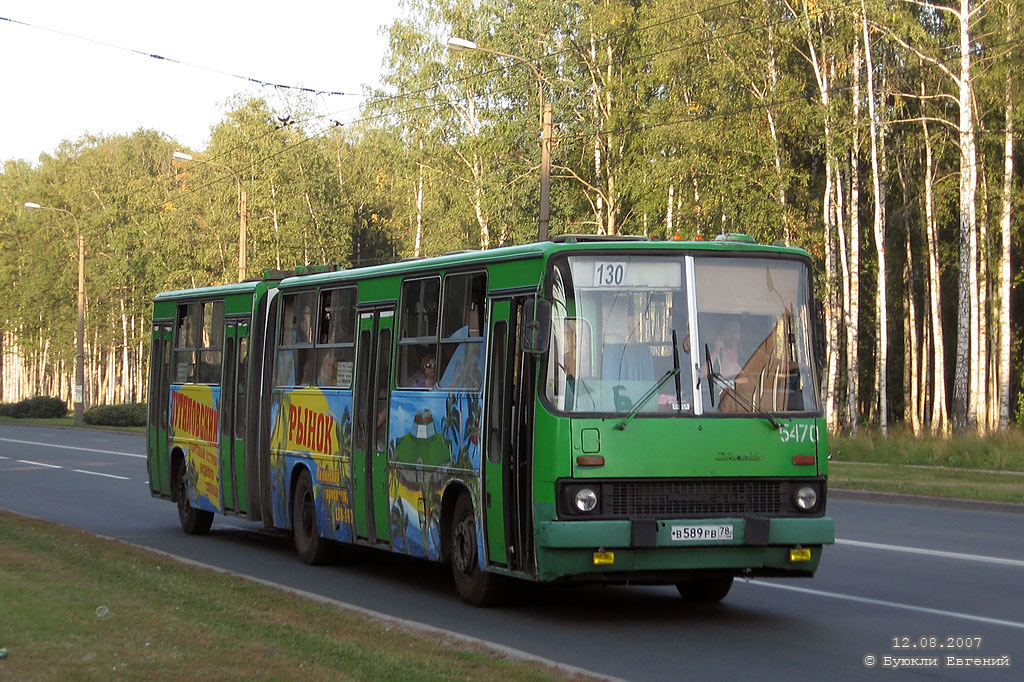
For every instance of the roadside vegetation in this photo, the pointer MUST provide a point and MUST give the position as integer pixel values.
(48, 411)
(67, 421)
(73, 606)
(967, 467)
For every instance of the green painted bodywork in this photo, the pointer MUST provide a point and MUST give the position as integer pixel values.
(685, 446)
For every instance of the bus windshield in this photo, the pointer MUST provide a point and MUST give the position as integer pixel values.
(737, 329)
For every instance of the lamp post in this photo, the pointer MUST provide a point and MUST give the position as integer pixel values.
(243, 208)
(80, 341)
(458, 44)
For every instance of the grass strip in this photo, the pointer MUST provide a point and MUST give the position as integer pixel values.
(969, 484)
(1001, 451)
(73, 606)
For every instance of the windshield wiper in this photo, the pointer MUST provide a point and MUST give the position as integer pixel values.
(621, 426)
(714, 377)
(675, 364)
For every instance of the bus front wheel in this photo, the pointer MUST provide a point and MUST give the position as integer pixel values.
(312, 549)
(705, 590)
(475, 586)
(193, 521)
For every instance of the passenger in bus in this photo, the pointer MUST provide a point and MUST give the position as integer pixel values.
(328, 373)
(424, 376)
(725, 352)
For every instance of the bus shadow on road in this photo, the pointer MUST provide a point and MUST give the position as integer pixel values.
(412, 579)
(635, 604)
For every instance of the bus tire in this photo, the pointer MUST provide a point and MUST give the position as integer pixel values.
(311, 548)
(475, 586)
(193, 521)
(705, 590)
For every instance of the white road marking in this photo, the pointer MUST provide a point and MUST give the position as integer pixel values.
(1, 457)
(96, 473)
(71, 447)
(934, 552)
(40, 464)
(892, 604)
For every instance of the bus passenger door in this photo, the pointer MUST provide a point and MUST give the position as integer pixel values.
(233, 394)
(507, 464)
(160, 390)
(370, 406)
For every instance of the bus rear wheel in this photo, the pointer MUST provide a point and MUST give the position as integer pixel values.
(475, 586)
(311, 548)
(705, 590)
(193, 521)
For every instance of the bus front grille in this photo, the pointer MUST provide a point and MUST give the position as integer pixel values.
(697, 498)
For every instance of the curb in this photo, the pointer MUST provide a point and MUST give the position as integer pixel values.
(925, 501)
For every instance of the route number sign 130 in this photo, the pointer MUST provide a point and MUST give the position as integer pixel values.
(609, 274)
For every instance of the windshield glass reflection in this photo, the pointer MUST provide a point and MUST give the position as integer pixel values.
(620, 323)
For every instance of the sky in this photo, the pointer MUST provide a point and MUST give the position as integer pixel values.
(58, 87)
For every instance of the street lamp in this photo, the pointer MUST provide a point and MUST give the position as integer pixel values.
(80, 341)
(243, 208)
(458, 44)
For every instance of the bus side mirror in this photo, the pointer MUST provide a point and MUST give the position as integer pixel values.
(536, 330)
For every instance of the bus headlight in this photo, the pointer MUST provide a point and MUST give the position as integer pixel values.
(805, 498)
(585, 500)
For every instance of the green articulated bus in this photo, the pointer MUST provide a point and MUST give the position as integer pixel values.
(584, 409)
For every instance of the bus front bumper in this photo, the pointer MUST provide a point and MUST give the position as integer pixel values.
(644, 551)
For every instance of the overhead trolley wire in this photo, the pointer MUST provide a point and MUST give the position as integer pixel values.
(151, 55)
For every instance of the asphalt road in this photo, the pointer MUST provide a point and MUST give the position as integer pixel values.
(897, 571)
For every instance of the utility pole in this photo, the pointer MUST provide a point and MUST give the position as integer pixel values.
(243, 207)
(80, 341)
(545, 174)
(455, 43)
(243, 228)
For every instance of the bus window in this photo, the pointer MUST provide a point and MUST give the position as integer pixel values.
(619, 325)
(496, 406)
(211, 343)
(240, 398)
(295, 349)
(335, 347)
(759, 344)
(462, 349)
(417, 345)
(383, 374)
(185, 342)
(362, 388)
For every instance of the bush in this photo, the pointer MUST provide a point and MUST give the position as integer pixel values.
(128, 414)
(40, 407)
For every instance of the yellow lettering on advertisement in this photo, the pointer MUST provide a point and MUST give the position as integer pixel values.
(342, 515)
